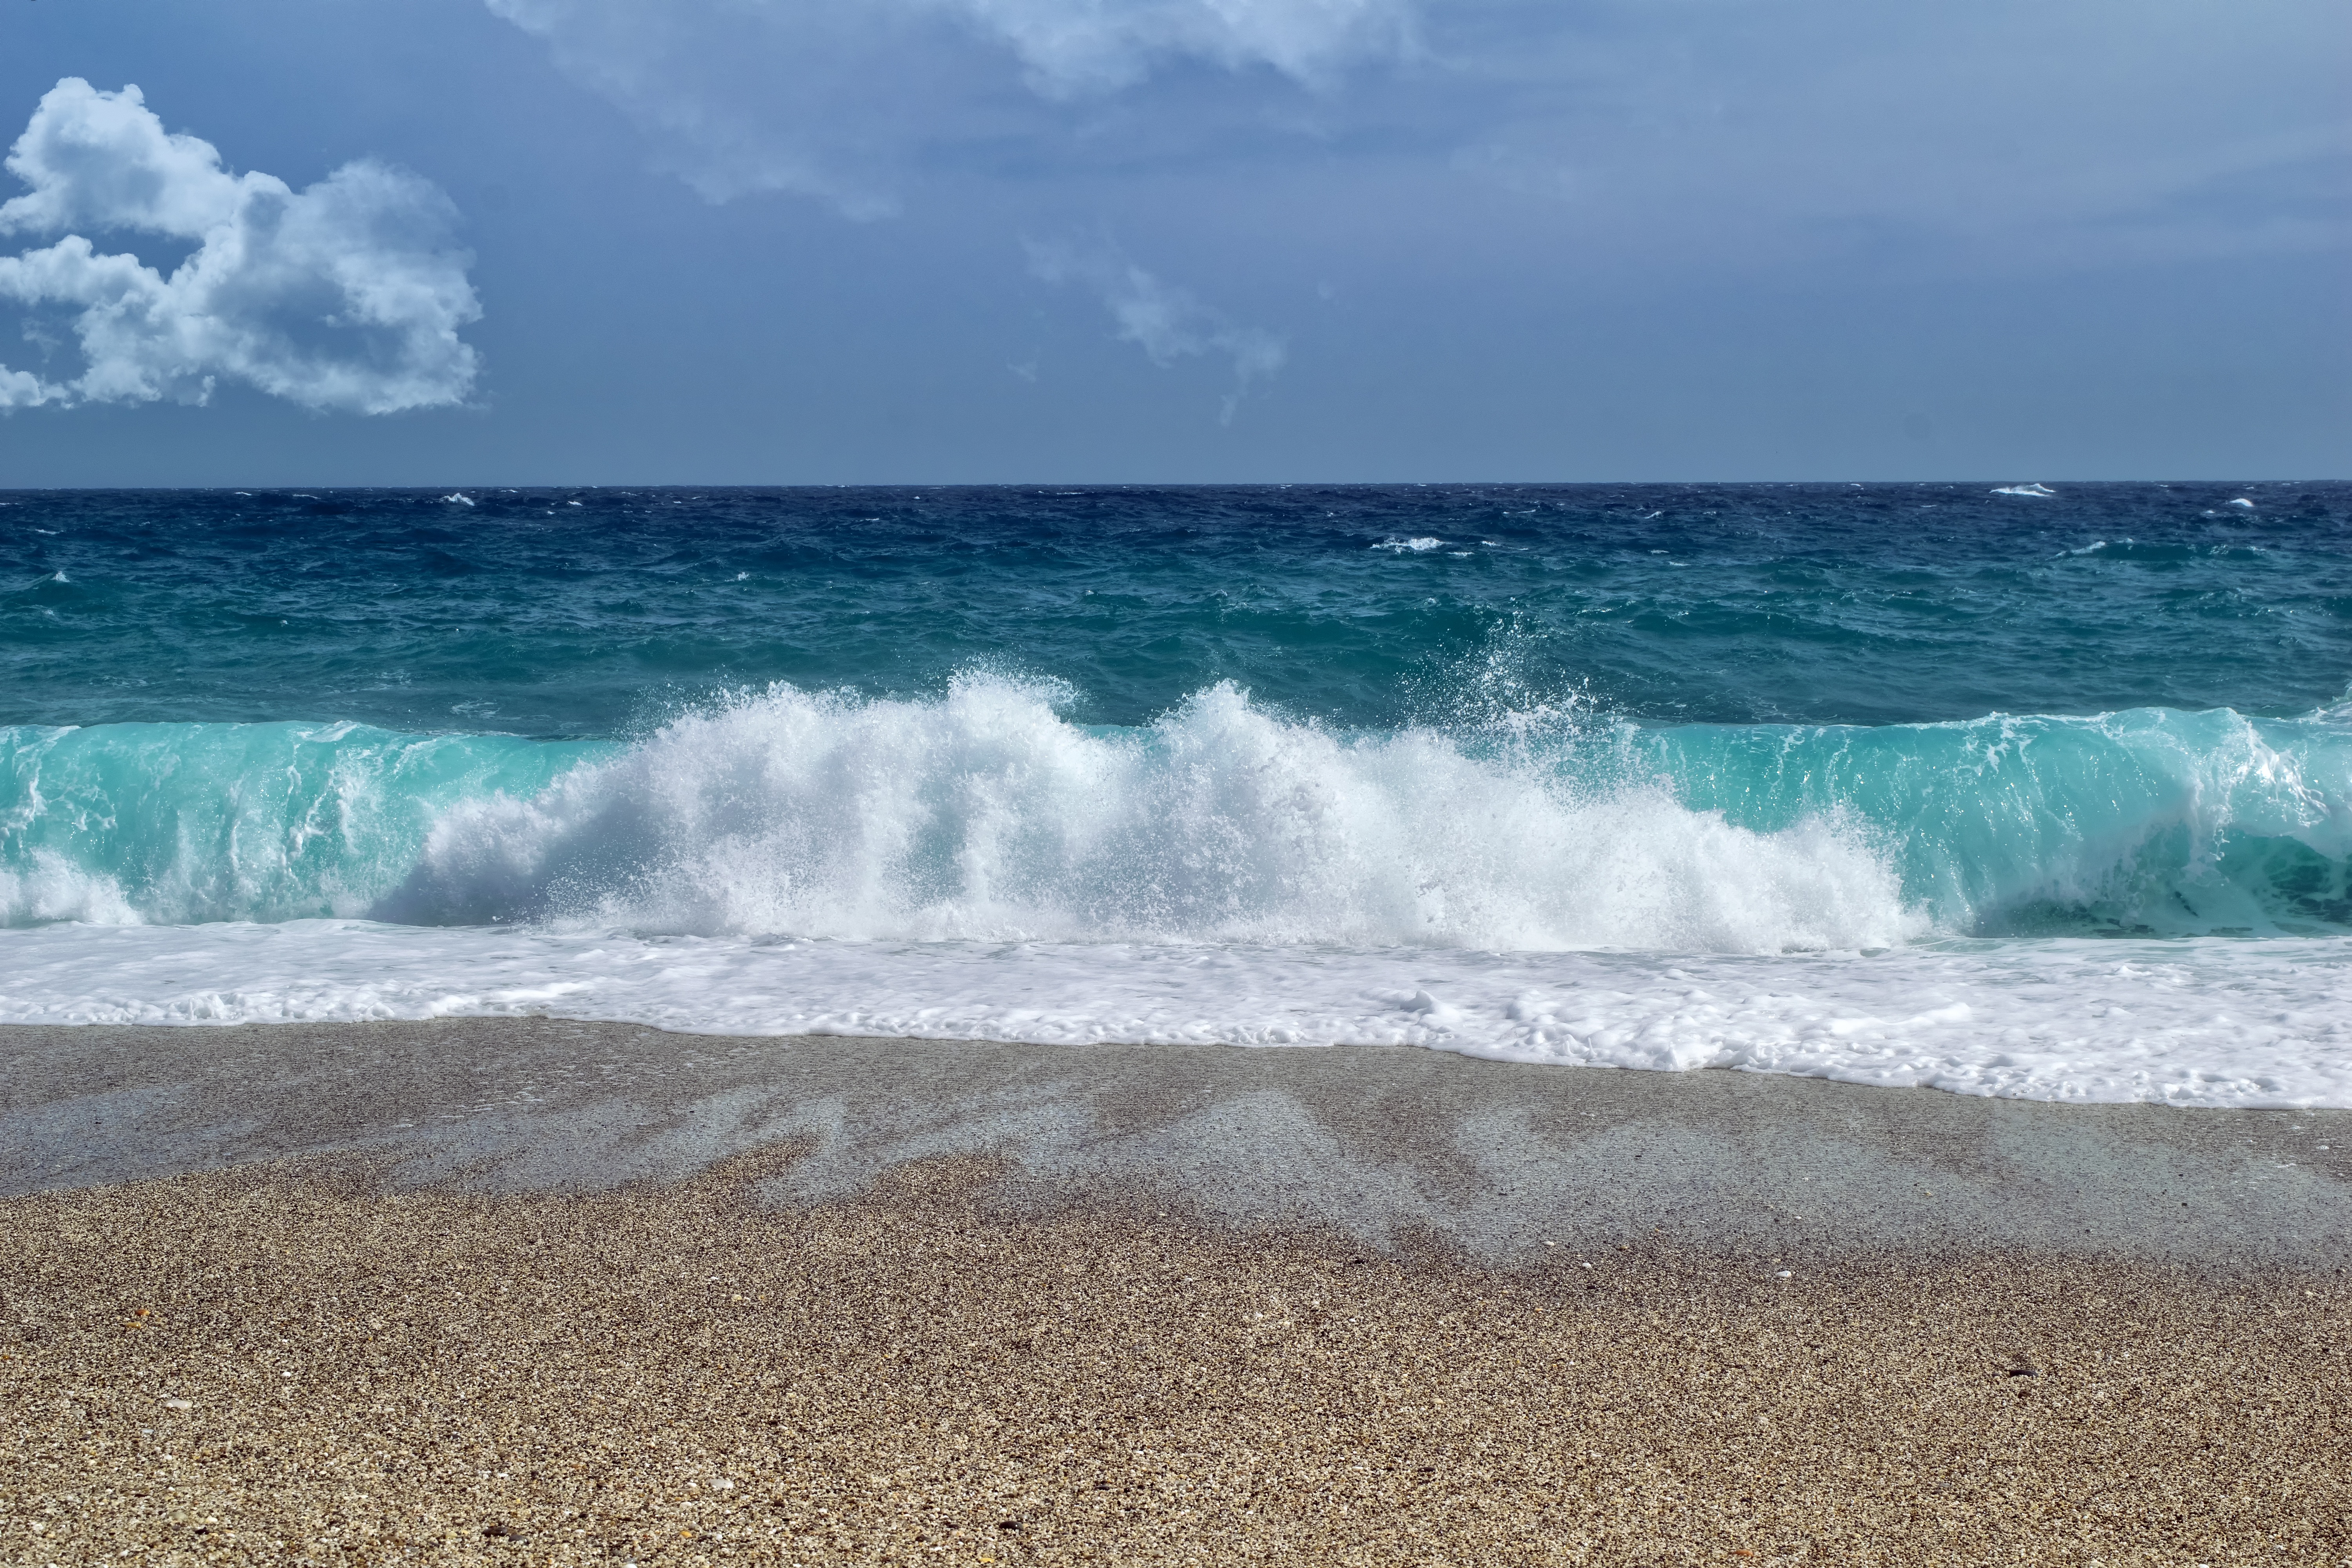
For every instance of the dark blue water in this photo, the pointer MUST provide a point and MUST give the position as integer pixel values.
(596, 613)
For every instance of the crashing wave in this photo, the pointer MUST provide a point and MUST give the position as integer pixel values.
(985, 813)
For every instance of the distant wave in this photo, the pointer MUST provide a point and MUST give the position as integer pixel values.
(983, 814)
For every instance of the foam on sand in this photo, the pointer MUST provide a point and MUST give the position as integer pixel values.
(2205, 1021)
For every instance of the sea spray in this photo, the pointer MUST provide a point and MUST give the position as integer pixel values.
(985, 815)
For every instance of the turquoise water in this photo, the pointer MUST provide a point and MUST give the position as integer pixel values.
(1501, 719)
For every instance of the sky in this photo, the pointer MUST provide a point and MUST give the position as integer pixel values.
(356, 242)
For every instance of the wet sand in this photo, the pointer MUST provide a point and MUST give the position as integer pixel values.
(612, 1295)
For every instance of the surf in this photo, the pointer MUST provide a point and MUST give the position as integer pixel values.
(985, 812)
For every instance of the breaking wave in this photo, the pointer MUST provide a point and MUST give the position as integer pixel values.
(985, 813)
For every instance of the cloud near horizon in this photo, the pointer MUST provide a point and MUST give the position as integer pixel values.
(345, 296)
(1165, 322)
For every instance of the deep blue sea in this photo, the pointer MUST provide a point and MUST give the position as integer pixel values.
(2011, 788)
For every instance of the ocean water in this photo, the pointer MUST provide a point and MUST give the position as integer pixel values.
(2011, 789)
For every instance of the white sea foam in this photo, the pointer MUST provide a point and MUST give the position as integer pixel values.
(51, 888)
(1409, 546)
(2205, 1021)
(987, 816)
(2036, 490)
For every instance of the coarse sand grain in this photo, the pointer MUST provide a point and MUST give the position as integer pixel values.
(289, 1363)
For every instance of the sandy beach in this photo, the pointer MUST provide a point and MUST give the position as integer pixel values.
(536, 1291)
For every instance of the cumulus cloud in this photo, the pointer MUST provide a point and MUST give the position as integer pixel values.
(842, 101)
(1165, 322)
(346, 295)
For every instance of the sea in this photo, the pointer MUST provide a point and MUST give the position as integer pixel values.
(2001, 788)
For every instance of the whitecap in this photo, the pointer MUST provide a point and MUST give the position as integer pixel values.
(457, 497)
(1412, 546)
(2036, 490)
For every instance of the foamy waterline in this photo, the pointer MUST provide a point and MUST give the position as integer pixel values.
(2191, 1021)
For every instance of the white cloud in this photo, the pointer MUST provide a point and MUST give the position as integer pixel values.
(840, 100)
(1165, 322)
(346, 295)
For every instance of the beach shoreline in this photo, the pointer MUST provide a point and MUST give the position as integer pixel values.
(1376, 1143)
(520, 1290)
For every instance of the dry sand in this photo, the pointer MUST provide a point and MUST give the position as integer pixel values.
(290, 1362)
(531, 1290)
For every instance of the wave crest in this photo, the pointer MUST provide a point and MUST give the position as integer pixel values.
(986, 815)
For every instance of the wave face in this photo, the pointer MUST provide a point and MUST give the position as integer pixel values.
(987, 813)
(2151, 822)
(123, 824)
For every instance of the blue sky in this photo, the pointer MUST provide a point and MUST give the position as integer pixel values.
(779, 241)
